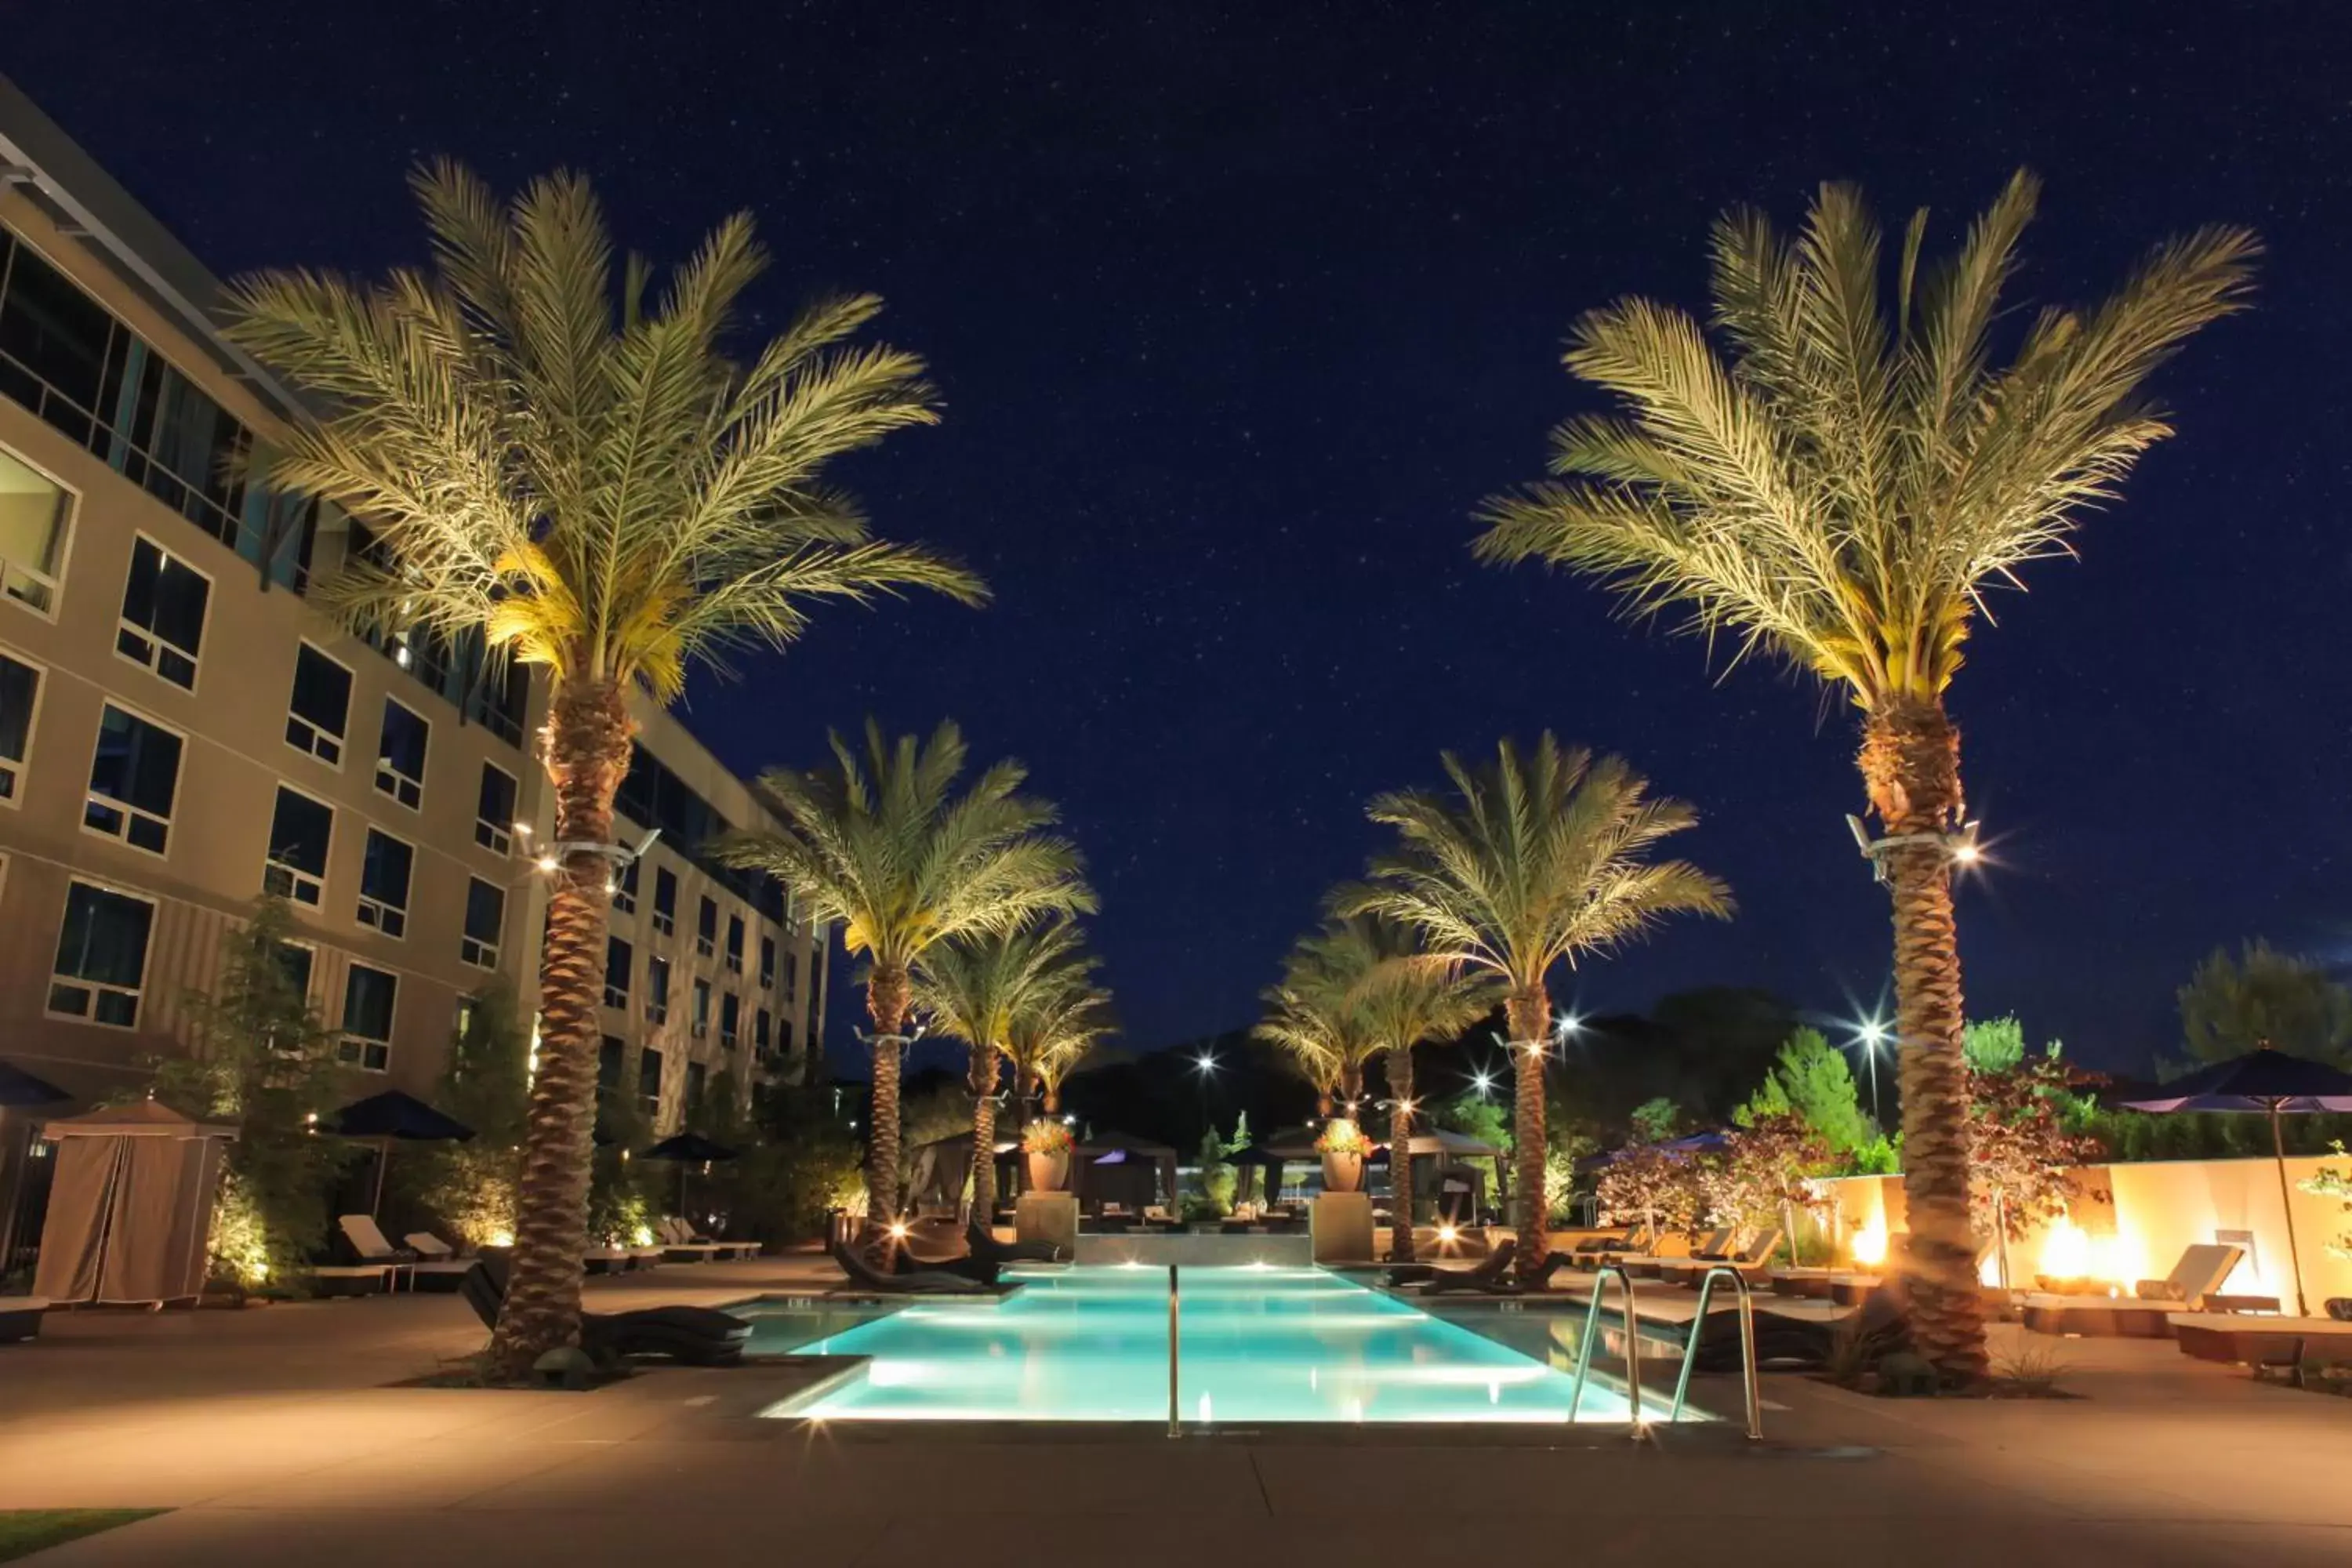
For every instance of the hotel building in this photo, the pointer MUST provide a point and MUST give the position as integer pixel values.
(181, 730)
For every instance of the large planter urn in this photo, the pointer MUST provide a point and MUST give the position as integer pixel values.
(1049, 1172)
(1343, 1173)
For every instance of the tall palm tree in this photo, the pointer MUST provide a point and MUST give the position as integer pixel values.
(1535, 859)
(883, 844)
(1840, 489)
(1407, 996)
(582, 477)
(976, 989)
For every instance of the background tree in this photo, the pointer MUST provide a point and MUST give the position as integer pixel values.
(1647, 1183)
(2021, 1145)
(885, 847)
(1535, 860)
(1655, 1120)
(1812, 1081)
(468, 1188)
(1993, 1045)
(1054, 1036)
(974, 990)
(1841, 488)
(588, 480)
(1762, 1175)
(2263, 996)
(260, 1060)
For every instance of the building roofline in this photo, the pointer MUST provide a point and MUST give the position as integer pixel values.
(36, 155)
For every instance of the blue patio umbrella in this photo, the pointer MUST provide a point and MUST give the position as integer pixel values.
(382, 1117)
(2263, 1082)
(1689, 1144)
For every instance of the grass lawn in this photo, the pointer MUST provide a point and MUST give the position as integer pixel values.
(24, 1532)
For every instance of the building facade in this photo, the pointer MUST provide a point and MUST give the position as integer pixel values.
(181, 730)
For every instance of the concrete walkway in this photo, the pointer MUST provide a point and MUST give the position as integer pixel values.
(273, 1435)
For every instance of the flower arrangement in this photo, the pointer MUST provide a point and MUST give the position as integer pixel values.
(1341, 1136)
(1046, 1136)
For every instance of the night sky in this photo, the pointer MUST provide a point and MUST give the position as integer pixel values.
(1239, 310)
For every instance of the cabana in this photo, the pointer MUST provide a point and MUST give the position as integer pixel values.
(131, 1206)
(1132, 1172)
(1442, 1160)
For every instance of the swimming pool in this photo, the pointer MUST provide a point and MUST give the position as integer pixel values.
(1257, 1344)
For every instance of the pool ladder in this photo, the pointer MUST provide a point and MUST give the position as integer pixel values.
(1690, 1349)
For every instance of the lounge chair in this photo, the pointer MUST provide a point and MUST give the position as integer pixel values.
(1672, 1248)
(365, 1240)
(919, 1282)
(604, 1259)
(681, 1243)
(1751, 1262)
(1492, 1276)
(2145, 1313)
(988, 1250)
(20, 1317)
(698, 1336)
(428, 1246)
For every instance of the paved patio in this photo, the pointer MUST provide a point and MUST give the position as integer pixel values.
(273, 1435)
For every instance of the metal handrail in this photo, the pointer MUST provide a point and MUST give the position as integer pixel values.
(1747, 1347)
(1633, 1344)
(1175, 1415)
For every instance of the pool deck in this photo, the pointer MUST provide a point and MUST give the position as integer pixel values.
(274, 1436)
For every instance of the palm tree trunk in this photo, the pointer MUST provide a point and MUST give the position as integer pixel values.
(1911, 766)
(1401, 1154)
(587, 750)
(1528, 1013)
(983, 1135)
(889, 994)
(1352, 1090)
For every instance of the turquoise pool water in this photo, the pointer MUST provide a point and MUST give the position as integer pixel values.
(1257, 1344)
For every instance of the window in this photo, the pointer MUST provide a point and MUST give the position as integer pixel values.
(657, 990)
(705, 929)
(485, 916)
(384, 883)
(133, 777)
(33, 513)
(400, 755)
(761, 1027)
(792, 973)
(320, 708)
(610, 1053)
(620, 960)
(163, 624)
(697, 1078)
(783, 1037)
(298, 959)
(494, 811)
(369, 998)
(60, 353)
(730, 1017)
(734, 944)
(649, 1077)
(20, 698)
(102, 956)
(665, 902)
(624, 889)
(698, 1022)
(767, 964)
(300, 831)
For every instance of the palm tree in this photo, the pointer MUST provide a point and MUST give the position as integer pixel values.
(883, 845)
(1055, 1034)
(1841, 488)
(1317, 1014)
(581, 477)
(976, 989)
(1536, 859)
(1407, 996)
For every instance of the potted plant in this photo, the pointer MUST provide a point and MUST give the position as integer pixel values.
(1046, 1145)
(1343, 1147)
